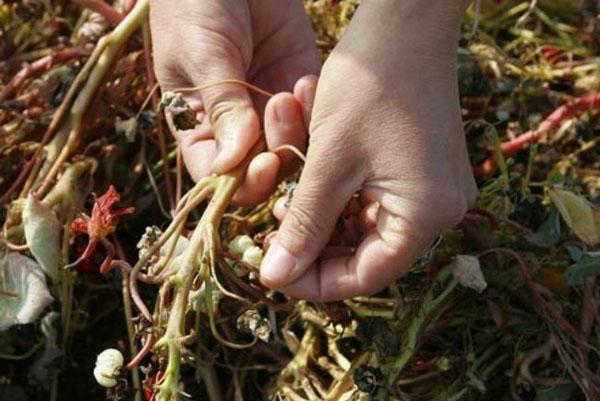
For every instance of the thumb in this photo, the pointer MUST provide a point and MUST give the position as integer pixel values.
(317, 202)
(231, 113)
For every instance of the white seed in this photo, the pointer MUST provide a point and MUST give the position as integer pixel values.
(108, 365)
(103, 379)
(253, 256)
(240, 244)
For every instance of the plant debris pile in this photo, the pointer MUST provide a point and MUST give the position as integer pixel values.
(122, 279)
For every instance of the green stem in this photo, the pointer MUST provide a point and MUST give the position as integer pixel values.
(201, 246)
(417, 326)
(135, 373)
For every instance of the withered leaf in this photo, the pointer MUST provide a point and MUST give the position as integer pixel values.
(579, 214)
(22, 278)
(42, 233)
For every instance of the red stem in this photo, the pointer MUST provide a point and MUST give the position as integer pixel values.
(552, 312)
(567, 111)
(106, 10)
(142, 353)
(40, 66)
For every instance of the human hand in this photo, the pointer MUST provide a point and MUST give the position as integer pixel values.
(268, 43)
(386, 121)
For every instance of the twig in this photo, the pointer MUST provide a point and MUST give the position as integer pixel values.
(111, 45)
(113, 16)
(567, 111)
(40, 66)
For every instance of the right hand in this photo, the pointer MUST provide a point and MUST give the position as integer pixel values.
(268, 43)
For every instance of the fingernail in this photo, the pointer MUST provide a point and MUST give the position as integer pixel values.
(277, 266)
(286, 112)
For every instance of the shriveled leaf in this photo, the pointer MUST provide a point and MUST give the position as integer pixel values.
(42, 233)
(24, 280)
(586, 266)
(548, 233)
(180, 112)
(579, 214)
(252, 322)
(128, 128)
(467, 271)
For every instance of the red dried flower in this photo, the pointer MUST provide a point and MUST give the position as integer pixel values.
(103, 222)
(104, 216)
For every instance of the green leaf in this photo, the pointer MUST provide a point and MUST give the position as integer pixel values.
(42, 233)
(574, 252)
(22, 278)
(579, 214)
(586, 266)
(548, 233)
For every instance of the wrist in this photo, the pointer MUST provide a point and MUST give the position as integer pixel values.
(432, 26)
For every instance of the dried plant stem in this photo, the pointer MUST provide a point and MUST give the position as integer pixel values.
(425, 315)
(40, 66)
(199, 255)
(198, 194)
(153, 95)
(112, 16)
(345, 382)
(135, 373)
(111, 45)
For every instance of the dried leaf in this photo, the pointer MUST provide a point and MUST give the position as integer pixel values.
(128, 128)
(22, 277)
(253, 323)
(579, 214)
(42, 233)
(467, 271)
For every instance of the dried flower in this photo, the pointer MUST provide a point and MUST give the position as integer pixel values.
(103, 222)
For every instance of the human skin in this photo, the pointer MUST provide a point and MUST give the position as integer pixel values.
(268, 43)
(386, 122)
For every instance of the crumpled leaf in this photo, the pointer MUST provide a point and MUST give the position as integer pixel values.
(467, 271)
(128, 128)
(548, 233)
(22, 277)
(586, 266)
(42, 233)
(579, 214)
(253, 323)
(182, 115)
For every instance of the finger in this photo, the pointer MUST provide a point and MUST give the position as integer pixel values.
(198, 149)
(261, 178)
(284, 125)
(368, 216)
(280, 208)
(318, 201)
(305, 90)
(229, 109)
(386, 253)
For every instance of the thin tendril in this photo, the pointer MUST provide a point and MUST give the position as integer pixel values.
(225, 81)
